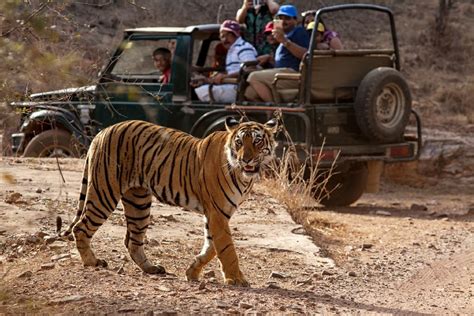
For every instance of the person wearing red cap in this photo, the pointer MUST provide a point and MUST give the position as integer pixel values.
(294, 43)
(238, 51)
(268, 60)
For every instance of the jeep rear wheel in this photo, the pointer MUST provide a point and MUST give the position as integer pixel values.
(345, 186)
(53, 143)
(383, 105)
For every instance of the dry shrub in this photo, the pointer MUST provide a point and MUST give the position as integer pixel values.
(295, 184)
(458, 100)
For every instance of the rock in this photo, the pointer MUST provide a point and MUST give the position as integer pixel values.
(121, 269)
(169, 218)
(50, 239)
(327, 272)
(57, 245)
(418, 207)
(210, 274)
(25, 275)
(13, 198)
(273, 285)
(244, 305)
(33, 239)
(48, 266)
(298, 231)
(384, 213)
(278, 275)
(162, 288)
(202, 285)
(67, 299)
(366, 246)
(271, 212)
(352, 274)
(61, 256)
(222, 305)
(39, 190)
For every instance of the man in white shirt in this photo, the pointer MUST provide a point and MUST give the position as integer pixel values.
(238, 51)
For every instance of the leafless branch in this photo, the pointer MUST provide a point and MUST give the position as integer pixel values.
(100, 6)
(36, 12)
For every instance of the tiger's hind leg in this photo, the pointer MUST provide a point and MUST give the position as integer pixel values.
(136, 203)
(207, 254)
(97, 210)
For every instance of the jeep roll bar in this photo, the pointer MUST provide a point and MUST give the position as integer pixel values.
(317, 19)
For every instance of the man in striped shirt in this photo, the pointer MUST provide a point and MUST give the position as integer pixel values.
(238, 51)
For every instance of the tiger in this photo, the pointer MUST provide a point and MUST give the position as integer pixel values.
(134, 160)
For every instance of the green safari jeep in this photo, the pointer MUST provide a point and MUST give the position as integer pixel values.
(352, 104)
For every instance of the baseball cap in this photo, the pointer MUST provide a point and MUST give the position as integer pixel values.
(321, 27)
(288, 10)
(268, 27)
(231, 26)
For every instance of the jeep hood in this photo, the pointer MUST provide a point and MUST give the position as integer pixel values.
(64, 94)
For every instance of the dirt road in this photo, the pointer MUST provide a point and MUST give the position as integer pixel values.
(401, 251)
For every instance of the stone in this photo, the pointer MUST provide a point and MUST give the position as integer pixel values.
(25, 275)
(278, 275)
(67, 299)
(352, 274)
(244, 305)
(383, 213)
(48, 266)
(327, 272)
(60, 257)
(418, 207)
(202, 285)
(13, 198)
(366, 246)
(210, 274)
(273, 285)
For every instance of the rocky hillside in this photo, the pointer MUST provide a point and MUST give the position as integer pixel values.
(68, 41)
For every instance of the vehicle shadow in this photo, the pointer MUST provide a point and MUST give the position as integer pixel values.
(329, 300)
(398, 211)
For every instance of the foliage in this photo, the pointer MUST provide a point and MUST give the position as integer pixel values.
(52, 44)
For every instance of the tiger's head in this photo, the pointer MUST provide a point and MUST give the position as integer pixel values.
(250, 145)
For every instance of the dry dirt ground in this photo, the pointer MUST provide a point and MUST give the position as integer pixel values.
(401, 251)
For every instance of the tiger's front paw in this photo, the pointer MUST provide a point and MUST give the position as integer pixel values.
(192, 274)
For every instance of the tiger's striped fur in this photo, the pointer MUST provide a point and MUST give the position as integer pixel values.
(135, 160)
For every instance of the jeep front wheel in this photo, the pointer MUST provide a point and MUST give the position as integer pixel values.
(345, 186)
(53, 143)
(383, 105)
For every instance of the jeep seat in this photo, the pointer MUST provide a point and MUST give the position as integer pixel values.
(335, 75)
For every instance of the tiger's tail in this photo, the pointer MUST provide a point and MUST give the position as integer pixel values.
(80, 209)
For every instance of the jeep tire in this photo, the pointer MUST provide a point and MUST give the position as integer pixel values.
(383, 105)
(53, 143)
(345, 186)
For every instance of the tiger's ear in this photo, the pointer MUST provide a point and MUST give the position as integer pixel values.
(272, 126)
(231, 123)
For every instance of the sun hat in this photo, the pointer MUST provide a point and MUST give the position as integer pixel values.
(288, 10)
(231, 26)
(268, 27)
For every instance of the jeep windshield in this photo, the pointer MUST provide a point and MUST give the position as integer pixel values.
(136, 58)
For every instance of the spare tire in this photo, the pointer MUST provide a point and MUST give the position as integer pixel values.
(383, 105)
